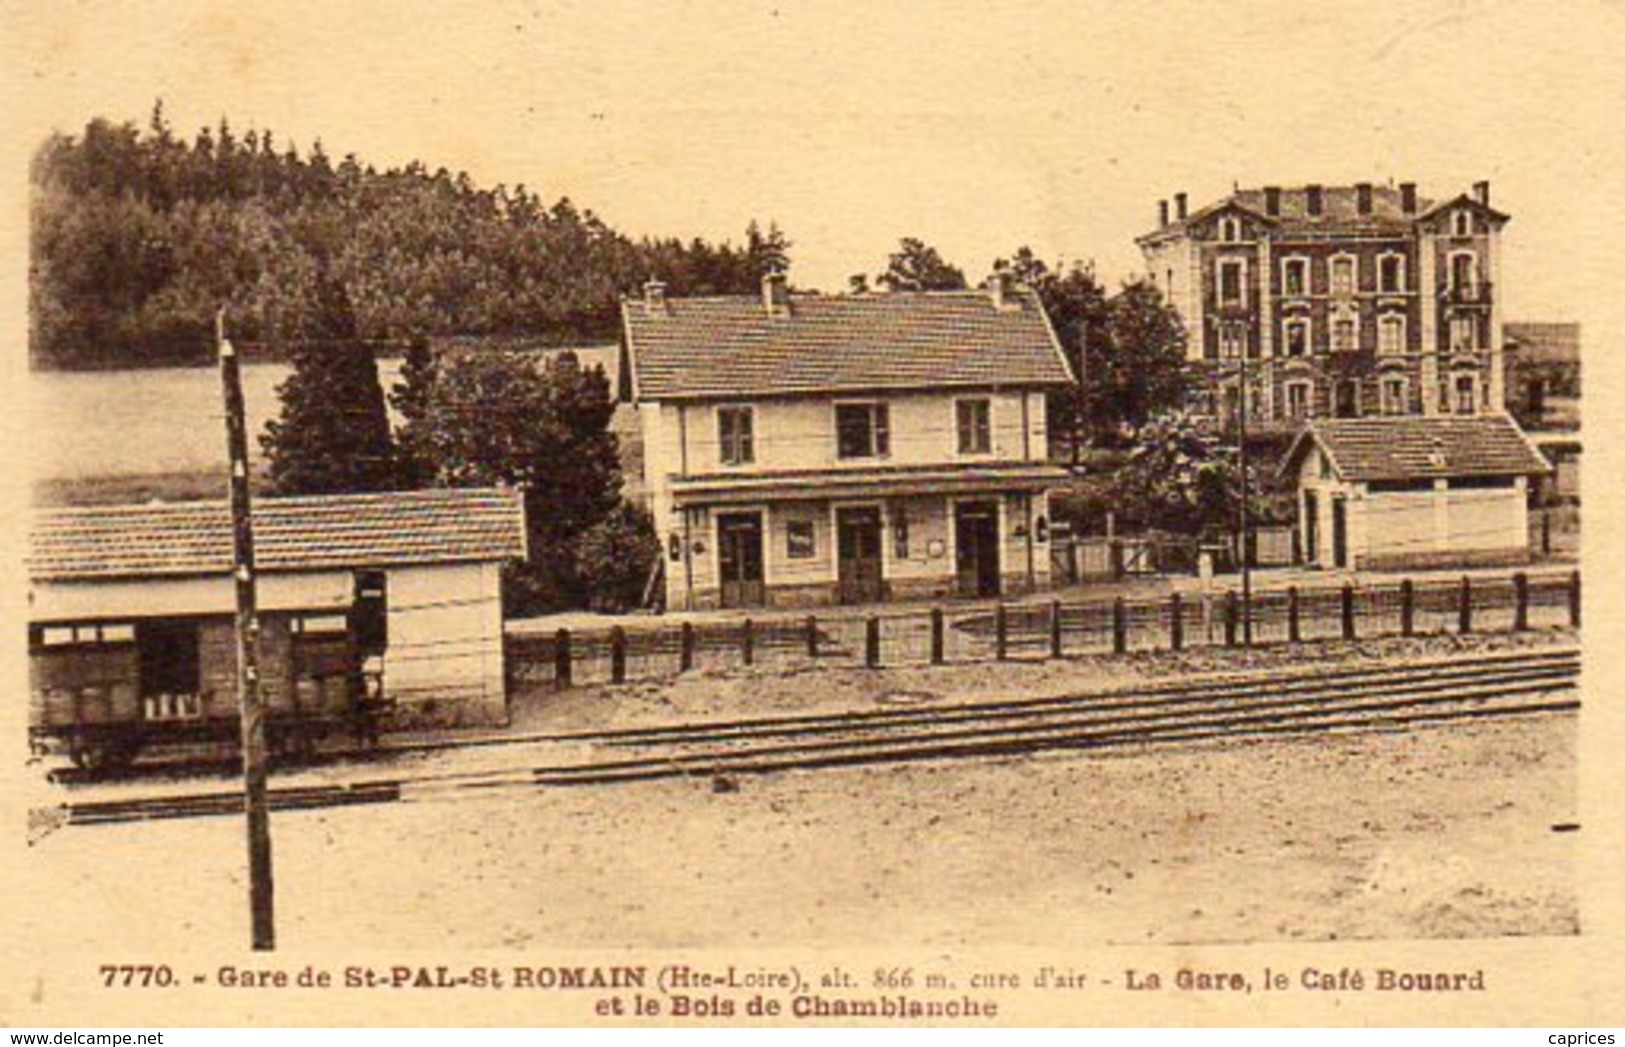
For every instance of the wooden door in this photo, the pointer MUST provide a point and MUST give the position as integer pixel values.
(858, 552)
(739, 558)
(976, 531)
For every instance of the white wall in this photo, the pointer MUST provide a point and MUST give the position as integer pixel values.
(799, 433)
(158, 597)
(445, 636)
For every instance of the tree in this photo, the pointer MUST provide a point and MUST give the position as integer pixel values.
(1181, 477)
(501, 418)
(412, 398)
(1080, 313)
(615, 556)
(333, 432)
(767, 252)
(1127, 350)
(1141, 372)
(916, 266)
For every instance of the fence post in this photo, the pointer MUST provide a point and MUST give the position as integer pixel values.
(1294, 616)
(561, 659)
(617, 655)
(1465, 610)
(1114, 555)
(1055, 629)
(1001, 632)
(812, 636)
(1230, 610)
(936, 636)
(1574, 598)
(1520, 605)
(1119, 626)
(1348, 611)
(747, 640)
(1407, 608)
(1176, 622)
(686, 647)
(1545, 532)
(871, 642)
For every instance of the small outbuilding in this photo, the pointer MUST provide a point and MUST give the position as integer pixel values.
(1413, 491)
(394, 597)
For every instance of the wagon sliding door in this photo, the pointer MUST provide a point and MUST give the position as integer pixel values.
(168, 654)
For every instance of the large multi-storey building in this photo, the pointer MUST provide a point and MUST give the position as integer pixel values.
(1336, 301)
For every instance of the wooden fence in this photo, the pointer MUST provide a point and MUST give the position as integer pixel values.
(1036, 630)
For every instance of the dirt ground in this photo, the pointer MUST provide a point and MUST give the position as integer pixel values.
(783, 690)
(1429, 832)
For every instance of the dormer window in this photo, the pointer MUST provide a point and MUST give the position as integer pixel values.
(1230, 229)
(1461, 223)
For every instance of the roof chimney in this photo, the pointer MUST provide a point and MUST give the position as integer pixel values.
(1272, 200)
(654, 297)
(1179, 206)
(1162, 214)
(775, 294)
(1362, 197)
(1312, 200)
(1481, 190)
(1407, 197)
(1000, 287)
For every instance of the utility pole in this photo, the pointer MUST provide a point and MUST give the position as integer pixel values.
(251, 710)
(1242, 520)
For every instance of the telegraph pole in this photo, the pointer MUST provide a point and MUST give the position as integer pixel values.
(1242, 520)
(252, 711)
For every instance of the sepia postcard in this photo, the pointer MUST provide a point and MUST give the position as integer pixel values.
(712, 514)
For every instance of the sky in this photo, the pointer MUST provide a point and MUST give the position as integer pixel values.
(978, 127)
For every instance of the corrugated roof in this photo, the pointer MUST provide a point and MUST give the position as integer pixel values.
(1420, 447)
(696, 348)
(290, 534)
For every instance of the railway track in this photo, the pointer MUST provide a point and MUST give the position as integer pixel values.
(1287, 702)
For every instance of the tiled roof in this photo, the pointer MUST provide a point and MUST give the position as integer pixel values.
(290, 534)
(1339, 211)
(694, 348)
(1420, 447)
(1549, 342)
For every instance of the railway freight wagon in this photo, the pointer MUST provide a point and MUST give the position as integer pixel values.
(370, 605)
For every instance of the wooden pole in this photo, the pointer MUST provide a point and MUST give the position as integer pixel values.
(1520, 608)
(1348, 611)
(1407, 608)
(871, 642)
(617, 655)
(1055, 629)
(685, 651)
(1294, 623)
(1119, 626)
(261, 892)
(1001, 633)
(1574, 599)
(937, 652)
(1176, 622)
